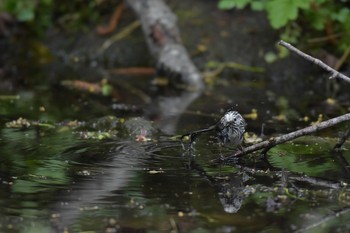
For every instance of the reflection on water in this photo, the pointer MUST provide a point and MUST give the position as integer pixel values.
(52, 179)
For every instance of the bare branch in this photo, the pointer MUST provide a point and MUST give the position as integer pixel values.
(162, 34)
(294, 177)
(290, 136)
(342, 140)
(324, 220)
(334, 73)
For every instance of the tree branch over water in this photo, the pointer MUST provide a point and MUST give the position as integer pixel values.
(335, 74)
(267, 144)
(290, 136)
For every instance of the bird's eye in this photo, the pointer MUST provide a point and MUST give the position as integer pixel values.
(234, 119)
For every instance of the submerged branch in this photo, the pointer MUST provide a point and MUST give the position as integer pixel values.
(342, 140)
(335, 74)
(290, 136)
(293, 177)
(324, 220)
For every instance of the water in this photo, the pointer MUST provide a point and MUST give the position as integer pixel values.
(53, 180)
(57, 177)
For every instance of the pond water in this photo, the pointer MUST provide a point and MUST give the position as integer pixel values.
(83, 162)
(55, 179)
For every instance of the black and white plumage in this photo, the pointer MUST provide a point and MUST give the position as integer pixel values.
(230, 129)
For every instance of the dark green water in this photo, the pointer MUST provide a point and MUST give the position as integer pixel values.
(59, 177)
(54, 180)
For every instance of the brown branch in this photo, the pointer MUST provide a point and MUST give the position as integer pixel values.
(335, 74)
(290, 136)
(134, 71)
(113, 22)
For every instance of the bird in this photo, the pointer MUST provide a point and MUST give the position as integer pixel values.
(229, 129)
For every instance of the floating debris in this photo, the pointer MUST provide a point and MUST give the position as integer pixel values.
(19, 123)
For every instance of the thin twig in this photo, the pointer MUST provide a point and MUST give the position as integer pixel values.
(322, 221)
(134, 71)
(342, 140)
(119, 36)
(325, 38)
(335, 74)
(343, 58)
(342, 161)
(218, 68)
(290, 136)
(113, 22)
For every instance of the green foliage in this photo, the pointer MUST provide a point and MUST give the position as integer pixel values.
(281, 11)
(23, 10)
(30, 11)
(310, 15)
(228, 4)
(70, 15)
(77, 15)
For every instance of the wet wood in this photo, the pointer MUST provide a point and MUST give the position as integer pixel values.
(160, 28)
(267, 144)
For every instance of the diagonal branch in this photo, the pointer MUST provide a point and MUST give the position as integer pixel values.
(293, 176)
(290, 136)
(162, 34)
(323, 221)
(335, 74)
(342, 140)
